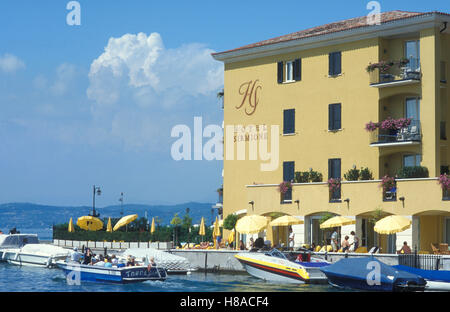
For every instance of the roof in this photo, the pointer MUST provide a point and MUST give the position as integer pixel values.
(349, 24)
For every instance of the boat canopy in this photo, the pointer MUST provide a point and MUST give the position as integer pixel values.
(17, 240)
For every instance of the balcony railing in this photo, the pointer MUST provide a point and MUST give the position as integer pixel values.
(395, 75)
(406, 134)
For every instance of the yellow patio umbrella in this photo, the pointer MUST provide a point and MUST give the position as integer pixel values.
(231, 237)
(202, 228)
(109, 227)
(337, 221)
(286, 221)
(70, 228)
(216, 231)
(90, 223)
(124, 221)
(152, 229)
(251, 224)
(392, 224)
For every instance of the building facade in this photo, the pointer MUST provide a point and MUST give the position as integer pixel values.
(329, 101)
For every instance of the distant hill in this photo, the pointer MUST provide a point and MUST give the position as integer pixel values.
(28, 215)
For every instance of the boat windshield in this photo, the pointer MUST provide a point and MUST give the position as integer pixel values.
(276, 253)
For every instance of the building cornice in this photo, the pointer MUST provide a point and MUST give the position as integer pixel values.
(409, 25)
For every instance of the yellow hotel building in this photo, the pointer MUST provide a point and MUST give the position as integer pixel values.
(316, 85)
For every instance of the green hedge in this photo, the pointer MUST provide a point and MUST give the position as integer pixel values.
(413, 172)
(162, 234)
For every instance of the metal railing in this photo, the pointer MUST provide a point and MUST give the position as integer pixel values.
(406, 134)
(419, 261)
(410, 71)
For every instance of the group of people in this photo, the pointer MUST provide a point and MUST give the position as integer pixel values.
(89, 258)
(346, 245)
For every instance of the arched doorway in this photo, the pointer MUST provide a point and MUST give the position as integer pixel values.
(365, 223)
(313, 232)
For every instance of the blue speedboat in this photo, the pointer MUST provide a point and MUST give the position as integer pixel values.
(436, 279)
(370, 274)
(77, 273)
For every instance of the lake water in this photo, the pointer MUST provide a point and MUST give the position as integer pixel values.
(34, 279)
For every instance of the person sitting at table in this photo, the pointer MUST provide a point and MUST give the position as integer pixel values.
(405, 249)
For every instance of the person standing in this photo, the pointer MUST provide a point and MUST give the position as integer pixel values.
(334, 240)
(291, 238)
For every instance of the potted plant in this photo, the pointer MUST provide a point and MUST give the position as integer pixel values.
(365, 174)
(444, 181)
(352, 175)
(334, 186)
(284, 187)
(388, 185)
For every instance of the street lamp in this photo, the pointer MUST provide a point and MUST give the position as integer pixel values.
(98, 192)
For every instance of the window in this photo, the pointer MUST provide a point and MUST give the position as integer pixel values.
(334, 64)
(412, 160)
(443, 131)
(334, 116)
(447, 228)
(412, 53)
(289, 121)
(288, 175)
(412, 109)
(289, 71)
(334, 171)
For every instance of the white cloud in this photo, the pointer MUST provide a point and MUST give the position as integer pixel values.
(140, 66)
(65, 74)
(10, 63)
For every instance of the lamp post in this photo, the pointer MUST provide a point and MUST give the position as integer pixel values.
(98, 192)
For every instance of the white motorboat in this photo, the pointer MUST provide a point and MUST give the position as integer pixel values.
(76, 272)
(43, 255)
(8, 241)
(274, 266)
(172, 263)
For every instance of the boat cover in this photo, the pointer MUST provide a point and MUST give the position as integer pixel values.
(432, 275)
(359, 269)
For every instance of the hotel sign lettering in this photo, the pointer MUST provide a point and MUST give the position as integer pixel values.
(250, 96)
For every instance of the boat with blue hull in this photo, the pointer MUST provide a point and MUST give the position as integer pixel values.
(438, 280)
(92, 273)
(370, 274)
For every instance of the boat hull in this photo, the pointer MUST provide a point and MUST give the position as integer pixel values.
(22, 259)
(282, 271)
(92, 273)
(437, 280)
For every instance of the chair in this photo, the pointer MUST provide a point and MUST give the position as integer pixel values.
(435, 250)
(329, 248)
(361, 249)
(317, 249)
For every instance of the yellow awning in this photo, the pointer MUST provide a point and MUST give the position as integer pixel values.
(231, 237)
(90, 223)
(124, 221)
(337, 221)
(286, 221)
(251, 224)
(392, 224)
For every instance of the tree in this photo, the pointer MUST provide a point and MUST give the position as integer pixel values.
(175, 222)
(230, 224)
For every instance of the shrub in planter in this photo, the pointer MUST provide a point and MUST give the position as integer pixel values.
(315, 176)
(365, 174)
(352, 175)
(413, 172)
(301, 177)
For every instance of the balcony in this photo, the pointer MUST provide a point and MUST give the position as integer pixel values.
(408, 135)
(393, 74)
(411, 196)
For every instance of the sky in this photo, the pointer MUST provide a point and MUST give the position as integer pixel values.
(94, 104)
